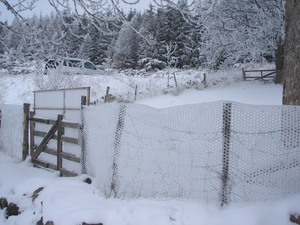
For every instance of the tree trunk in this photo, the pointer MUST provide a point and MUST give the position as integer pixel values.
(279, 55)
(291, 87)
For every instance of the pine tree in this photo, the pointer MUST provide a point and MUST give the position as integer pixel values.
(177, 36)
(127, 45)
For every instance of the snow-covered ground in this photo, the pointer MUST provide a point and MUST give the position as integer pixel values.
(156, 89)
(71, 201)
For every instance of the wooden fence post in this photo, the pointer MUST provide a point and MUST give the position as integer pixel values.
(25, 144)
(59, 141)
(244, 74)
(106, 97)
(83, 142)
(226, 149)
(32, 125)
(175, 79)
(204, 80)
(83, 100)
(135, 92)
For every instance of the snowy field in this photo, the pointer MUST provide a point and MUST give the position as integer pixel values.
(71, 201)
(152, 88)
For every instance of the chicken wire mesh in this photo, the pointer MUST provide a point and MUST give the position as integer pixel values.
(222, 151)
(11, 130)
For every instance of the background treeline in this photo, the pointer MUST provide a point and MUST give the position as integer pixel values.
(212, 34)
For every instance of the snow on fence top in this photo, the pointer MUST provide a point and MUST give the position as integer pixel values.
(220, 151)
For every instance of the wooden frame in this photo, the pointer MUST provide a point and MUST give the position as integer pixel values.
(46, 113)
(63, 108)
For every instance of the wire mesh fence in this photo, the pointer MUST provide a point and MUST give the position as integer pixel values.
(222, 151)
(11, 130)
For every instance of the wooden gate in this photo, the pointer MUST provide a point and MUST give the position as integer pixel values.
(259, 74)
(55, 129)
(56, 132)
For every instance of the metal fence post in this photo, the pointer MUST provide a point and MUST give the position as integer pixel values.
(227, 107)
(117, 147)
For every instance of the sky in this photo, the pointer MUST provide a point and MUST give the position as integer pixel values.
(43, 7)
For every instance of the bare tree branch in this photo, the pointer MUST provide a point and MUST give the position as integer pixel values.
(20, 6)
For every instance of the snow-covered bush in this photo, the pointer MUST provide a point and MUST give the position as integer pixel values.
(151, 64)
(53, 81)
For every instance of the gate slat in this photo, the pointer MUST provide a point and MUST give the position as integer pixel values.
(63, 138)
(41, 163)
(64, 155)
(46, 139)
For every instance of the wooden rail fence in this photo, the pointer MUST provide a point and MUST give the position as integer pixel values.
(259, 74)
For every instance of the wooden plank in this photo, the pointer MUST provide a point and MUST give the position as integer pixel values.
(59, 141)
(44, 121)
(253, 77)
(83, 143)
(268, 75)
(57, 90)
(70, 140)
(25, 144)
(259, 70)
(67, 173)
(41, 163)
(63, 138)
(46, 108)
(257, 77)
(64, 155)
(32, 127)
(50, 151)
(46, 139)
(71, 125)
(70, 157)
(39, 133)
(50, 121)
